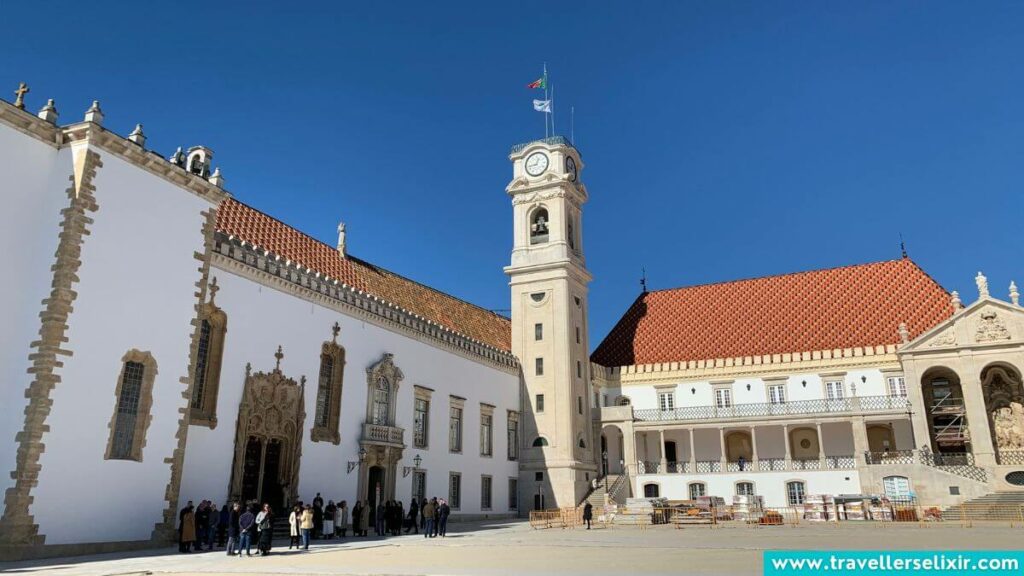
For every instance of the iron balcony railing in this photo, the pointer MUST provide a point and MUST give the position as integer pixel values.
(959, 463)
(854, 405)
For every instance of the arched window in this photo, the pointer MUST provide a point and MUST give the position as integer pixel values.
(795, 492)
(328, 391)
(744, 488)
(539, 223)
(382, 402)
(540, 442)
(651, 491)
(134, 393)
(698, 489)
(582, 444)
(209, 352)
(622, 401)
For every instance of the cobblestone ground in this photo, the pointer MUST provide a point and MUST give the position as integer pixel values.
(515, 548)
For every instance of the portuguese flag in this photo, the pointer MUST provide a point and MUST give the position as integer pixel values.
(541, 83)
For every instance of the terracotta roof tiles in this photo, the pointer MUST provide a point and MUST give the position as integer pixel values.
(846, 307)
(255, 227)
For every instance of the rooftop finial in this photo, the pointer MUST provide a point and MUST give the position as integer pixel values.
(904, 333)
(49, 112)
(178, 158)
(982, 283)
(1014, 295)
(903, 246)
(94, 114)
(19, 95)
(217, 179)
(341, 239)
(279, 355)
(954, 299)
(137, 136)
(335, 330)
(213, 289)
(643, 280)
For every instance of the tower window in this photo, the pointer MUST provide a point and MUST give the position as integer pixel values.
(579, 369)
(540, 402)
(577, 334)
(579, 404)
(571, 234)
(538, 331)
(539, 367)
(539, 226)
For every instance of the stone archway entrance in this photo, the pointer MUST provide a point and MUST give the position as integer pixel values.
(268, 438)
(376, 480)
(1004, 404)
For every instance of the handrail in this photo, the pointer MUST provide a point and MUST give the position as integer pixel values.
(857, 404)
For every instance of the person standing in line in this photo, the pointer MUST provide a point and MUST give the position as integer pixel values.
(222, 525)
(444, 512)
(293, 527)
(341, 518)
(188, 529)
(202, 525)
(364, 520)
(246, 522)
(357, 517)
(265, 522)
(181, 526)
(328, 527)
(214, 525)
(428, 517)
(307, 524)
(379, 516)
(588, 513)
(233, 529)
(423, 514)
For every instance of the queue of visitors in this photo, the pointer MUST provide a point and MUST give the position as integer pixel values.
(239, 527)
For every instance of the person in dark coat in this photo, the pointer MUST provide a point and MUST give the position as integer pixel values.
(265, 525)
(410, 522)
(378, 515)
(222, 525)
(423, 514)
(233, 531)
(588, 514)
(443, 513)
(203, 526)
(357, 516)
(181, 525)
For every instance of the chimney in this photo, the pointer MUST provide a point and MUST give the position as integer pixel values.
(341, 239)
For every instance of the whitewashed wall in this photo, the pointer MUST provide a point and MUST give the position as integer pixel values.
(35, 178)
(260, 318)
(135, 291)
(771, 485)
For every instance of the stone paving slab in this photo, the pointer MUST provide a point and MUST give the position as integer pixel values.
(514, 548)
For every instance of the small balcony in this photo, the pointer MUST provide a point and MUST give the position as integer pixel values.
(759, 411)
(380, 434)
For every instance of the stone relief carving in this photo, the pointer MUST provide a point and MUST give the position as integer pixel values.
(1008, 424)
(991, 328)
(947, 338)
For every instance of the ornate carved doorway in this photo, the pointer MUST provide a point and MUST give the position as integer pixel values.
(268, 439)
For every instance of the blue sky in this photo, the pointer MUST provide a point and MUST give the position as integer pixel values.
(722, 140)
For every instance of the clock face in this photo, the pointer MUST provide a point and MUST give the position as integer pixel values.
(570, 168)
(536, 164)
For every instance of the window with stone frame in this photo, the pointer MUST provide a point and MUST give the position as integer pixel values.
(213, 326)
(454, 490)
(513, 494)
(697, 489)
(897, 385)
(455, 408)
(513, 435)
(486, 430)
(132, 406)
(744, 488)
(328, 391)
(795, 492)
(421, 418)
(485, 492)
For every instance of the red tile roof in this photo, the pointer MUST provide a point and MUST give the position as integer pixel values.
(846, 307)
(255, 227)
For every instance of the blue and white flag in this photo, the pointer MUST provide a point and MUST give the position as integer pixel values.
(542, 106)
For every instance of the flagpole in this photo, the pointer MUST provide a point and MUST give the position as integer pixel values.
(545, 97)
(553, 132)
(572, 125)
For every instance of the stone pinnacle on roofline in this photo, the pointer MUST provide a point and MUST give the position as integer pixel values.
(1014, 294)
(982, 283)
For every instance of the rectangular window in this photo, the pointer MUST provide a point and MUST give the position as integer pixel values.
(795, 493)
(421, 422)
(485, 492)
(202, 359)
(577, 334)
(323, 396)
(667, 400)
(513, 494)
(834, 390)
(897, 386)
(513, 435)
(454, 490)
(697, 490)
(777, 394)
(538, 331)
(579, 405)
(127, 411)
(539, 367)
(419, 485)
(540, 403)
(455, 429)
(579, 369)
(723, 397)
(486, 435)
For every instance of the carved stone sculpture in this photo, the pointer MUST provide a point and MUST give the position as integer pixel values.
(1008, 424)
(991, 328)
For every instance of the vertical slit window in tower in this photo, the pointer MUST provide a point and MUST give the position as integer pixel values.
(538, 331)
(539, 367)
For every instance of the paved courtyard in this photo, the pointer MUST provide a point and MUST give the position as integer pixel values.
(515, 548)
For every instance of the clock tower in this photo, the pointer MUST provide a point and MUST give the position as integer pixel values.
(549, 278)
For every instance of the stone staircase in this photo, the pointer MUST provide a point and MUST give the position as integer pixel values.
(996, 505)
(616, 483)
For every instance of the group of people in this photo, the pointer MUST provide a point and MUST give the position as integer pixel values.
(236, 527)
(239, 526)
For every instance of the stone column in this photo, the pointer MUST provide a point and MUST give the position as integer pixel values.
(821, 447)
(977, 418)
(858, 426)
(785, 442)
(663, 463)
(721, 443)
(628, 447)
(753, 449)
(693, 454)
(919, 406)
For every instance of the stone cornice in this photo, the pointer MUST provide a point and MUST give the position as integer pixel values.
(767, 366)
(30, 124)
(266, 268)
